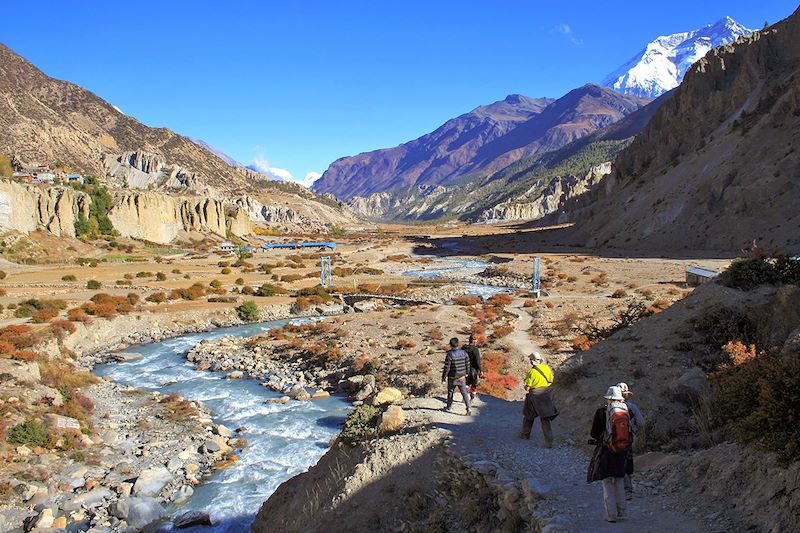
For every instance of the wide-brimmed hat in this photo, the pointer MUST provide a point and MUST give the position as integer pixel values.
(614, 393)
(624, 388)
(536, 357)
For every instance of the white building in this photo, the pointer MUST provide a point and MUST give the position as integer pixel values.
(227, 247)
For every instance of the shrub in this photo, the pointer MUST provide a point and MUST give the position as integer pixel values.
(161, 276)
(6, 348)
(23, 311)
(176, 271)
(103, 310)
(361, 424)
(239, 281)
(581, 343)
(248, 311)
(248, 290)
(2, 274)
(225, 270)
(467, 301)
(619, 293)
(62, 328)
(500, 300)
(529, 303)
(215, 283)
(133, 298)
(268, 289)
(157, 297)
(406, 344)
(436, 334)
(289, 278)
(553, 344)
(93, 284)
(78, 314)
(144, 274)
(29, 433)
(769, 419)
(501, 331)
(69, 277)
(45, 315)
(3, 292)
(570, 375)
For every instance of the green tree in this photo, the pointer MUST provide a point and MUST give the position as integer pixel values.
(248, 311)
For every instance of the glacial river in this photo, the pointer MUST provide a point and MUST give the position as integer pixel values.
(283, 439)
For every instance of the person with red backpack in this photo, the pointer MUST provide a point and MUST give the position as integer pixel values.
(612, 435)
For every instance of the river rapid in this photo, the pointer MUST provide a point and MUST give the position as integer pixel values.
(283, 439)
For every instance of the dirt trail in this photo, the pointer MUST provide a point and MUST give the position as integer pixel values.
(558, 474)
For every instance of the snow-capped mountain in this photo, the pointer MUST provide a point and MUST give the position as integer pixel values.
(661, 65)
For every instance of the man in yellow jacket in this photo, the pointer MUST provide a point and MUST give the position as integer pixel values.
(538, 402)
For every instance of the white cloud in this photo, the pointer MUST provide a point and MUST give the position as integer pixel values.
(310, 178)
(566, 31)
(261, 165)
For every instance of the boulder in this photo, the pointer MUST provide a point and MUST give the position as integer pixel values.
(362, 395)
(236, 374)
(217, 445)
(298, 393)
(366, 306)
(55, 421)
(127, 357)
(143, 511)
(74, 476)
(190, 519)
(60, 523)
(690, 386)
(42, 520)
(182, 495)
(222, 431)
(387, 395)
(151, 481)
(90, 499)
(119, 509)
(320, 394)
(21, 371)
(392, 419)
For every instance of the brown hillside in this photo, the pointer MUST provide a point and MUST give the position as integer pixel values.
(44, 119)
(717, 166)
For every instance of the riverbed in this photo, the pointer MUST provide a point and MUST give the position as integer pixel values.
(283, 439)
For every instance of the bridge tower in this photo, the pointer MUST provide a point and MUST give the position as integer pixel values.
(325, 271)
(536, 281)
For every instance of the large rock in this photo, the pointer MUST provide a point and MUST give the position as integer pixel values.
(392, 420)
(90, 499)
(151, 481)
(55, 421)
(43, 520)
(143, 511)
(690, 386)
(190, 519)
(128, 357)
(298, 393)
(387, 395)
(362, 395)
(21, 371)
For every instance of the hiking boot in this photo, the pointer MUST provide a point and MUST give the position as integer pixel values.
(611, 519)
(469, 412)
(523, 436)
(446, 409)
(628, 495)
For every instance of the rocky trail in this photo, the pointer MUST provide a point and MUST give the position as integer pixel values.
(489, 438)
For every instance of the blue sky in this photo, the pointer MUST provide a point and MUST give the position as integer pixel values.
(296, 85)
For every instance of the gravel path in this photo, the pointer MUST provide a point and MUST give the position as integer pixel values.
(559, 473)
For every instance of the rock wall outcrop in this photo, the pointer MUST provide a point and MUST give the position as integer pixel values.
(26, 208)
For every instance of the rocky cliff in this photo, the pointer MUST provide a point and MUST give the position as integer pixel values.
(547, 198)
(26, 208)
(717, 166)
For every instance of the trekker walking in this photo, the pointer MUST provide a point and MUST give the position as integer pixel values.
(475, 371)
(455, 371)
(538, 402)
(637, 423)
(611, 432)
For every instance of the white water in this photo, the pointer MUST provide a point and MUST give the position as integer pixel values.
(283, 439)
(485, 291)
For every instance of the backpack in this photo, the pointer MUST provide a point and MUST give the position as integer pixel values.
(618, 429)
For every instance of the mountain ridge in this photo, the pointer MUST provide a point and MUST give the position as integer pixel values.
(479, 142)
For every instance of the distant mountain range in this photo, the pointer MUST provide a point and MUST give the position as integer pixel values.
(479, 143)
(661, 65)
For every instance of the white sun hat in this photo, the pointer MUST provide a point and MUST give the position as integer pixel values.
(624, 388)
(614, 393)
(536, 357)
